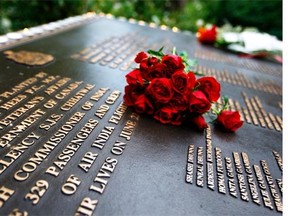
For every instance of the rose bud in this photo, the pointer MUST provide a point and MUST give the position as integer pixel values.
(229, 120)
(210, 86)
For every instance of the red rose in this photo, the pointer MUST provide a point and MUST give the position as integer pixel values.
(191, 80)
(129, 96)
(229, 120)
(135, 77)
(210, 87)
(198, 122)
(168, 115)
(180, 81)
(179, 102)
(140, 57)
(173, 63)
(155, 71)
(147, 63)
(160, 89)
(198, 102)
(143, 105)
(207, 36)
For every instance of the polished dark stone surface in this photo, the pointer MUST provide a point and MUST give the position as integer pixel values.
(149, 178)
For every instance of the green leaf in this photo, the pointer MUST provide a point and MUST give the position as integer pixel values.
(158, 54)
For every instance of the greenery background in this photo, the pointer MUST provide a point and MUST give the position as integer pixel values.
(266, 15)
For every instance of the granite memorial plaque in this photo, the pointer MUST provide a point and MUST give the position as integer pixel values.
(70, 146)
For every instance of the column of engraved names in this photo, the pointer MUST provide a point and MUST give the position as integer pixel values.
(231, 178)
(262, 187)
(190, 164)
(250, 179)
(200, 167)
(240, 177)
(279, 162)
(209, 159)
(269, 179)
(220, 171)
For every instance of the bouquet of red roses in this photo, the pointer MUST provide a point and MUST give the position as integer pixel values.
(164, 87)
(243, 42)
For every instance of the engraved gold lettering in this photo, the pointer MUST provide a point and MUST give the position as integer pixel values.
(278, 159)
(103, 137)
(104, 173)
(210, 173)
(128, 130)
(200, 168)
(17, 212)
(37, 191)
(113, 97)
(18, 129)
(98, 94)
(56, 86)
(118, 147)
(118, 113)
(232, 187)
(87, 206)
(49, 146)
(13, 102)
(65, 156)
(237, 162)
(87, 161)
(76, 98)
(50, 104)
(5, 194)
(242, 186)
(272, 187)
(19, 87)
(61, 95)
(20, 111)
(87, 106)
(50, 122)
(190, 165)
(71, 185)
(49, 79)
(102, 110)
(265, 195)
(219, 169)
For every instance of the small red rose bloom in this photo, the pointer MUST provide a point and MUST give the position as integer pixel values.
(199, 122)
(179, 102)
(180, 81)
(145, 64)
(135, 77)
(191, 80)
(198, 102)
(160, 89)
(210, 86)
(229, 120)
(207, 36)
(173, 63)
(130, 95)
(140, 57)
(143, 105)
(168, 115)
(155, 71)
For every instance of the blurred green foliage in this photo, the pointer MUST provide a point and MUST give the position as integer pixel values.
(266, 15)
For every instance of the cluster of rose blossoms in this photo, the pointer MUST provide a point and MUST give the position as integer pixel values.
(161, 87)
